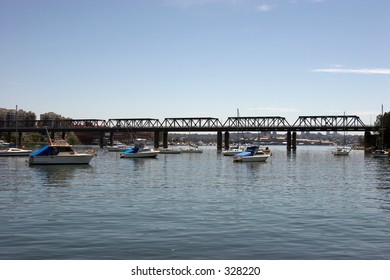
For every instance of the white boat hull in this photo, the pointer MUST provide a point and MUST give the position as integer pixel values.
(147, 154)
(169, 151)
(255, 158)
(15, 152)
(55, 160)
(232, 152)
(341, 151)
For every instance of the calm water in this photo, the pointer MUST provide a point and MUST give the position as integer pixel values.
(307, 205)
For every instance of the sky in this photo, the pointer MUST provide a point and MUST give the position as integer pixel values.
(107, 59)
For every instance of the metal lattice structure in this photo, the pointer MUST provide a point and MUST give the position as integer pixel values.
(72, 123)
(206, 124)
(257, 123)
(131, 124)
(194, 124)
(328, 123)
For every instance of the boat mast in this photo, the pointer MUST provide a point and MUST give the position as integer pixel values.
(16, 126)
(382, 130)
(48, 135)
(344, 129)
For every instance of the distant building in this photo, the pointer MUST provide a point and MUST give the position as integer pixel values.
(9, 116)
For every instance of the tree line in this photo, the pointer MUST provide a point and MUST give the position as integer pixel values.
(384, 132)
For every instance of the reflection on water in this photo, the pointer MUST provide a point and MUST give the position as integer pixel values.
(306, 204)
(57, 175)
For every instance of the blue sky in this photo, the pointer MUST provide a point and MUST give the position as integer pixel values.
(195, 58)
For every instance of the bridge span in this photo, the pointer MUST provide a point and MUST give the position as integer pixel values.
(195, 124)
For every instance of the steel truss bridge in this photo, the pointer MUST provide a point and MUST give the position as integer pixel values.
(196, 124)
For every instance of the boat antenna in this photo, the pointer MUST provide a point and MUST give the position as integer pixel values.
(48, 135)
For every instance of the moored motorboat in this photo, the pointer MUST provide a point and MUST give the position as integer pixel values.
(59, 152)
(4, 144)
(341, 151)
(192, 149)
(15, 152)
(169, 151)
(233, 150)
(118, 147)
(139, 150)
(381, 153)
(251, 154)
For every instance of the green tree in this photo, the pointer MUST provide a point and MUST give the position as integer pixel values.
(71, 139)
(385, 133)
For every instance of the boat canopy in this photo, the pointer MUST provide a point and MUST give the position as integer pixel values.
(243, 154)
(49, 150)
(44, 151)
(131, 151)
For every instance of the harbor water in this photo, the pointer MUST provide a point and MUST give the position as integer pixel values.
(304, 205)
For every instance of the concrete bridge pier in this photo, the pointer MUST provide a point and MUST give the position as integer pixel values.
(156, 139)
(219, 141)
(19, 144)
(288, 140)
(294, 140)
(291, 140)
(165, 139)
(111, 138)
(227, 139)
(369, 140)
(101, 139)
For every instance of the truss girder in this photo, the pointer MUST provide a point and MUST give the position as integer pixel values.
(329, 122)
(307, 123)
(134, 123)
(194, 123)
(71, 123)
(256, 122)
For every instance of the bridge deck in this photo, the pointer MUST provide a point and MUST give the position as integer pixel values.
(205, 124)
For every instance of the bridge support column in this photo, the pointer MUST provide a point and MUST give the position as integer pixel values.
(52, 135)
(369, 140)
(288, 140)
(165, 139)
(63, 135)
(101, 139)
(227, 139)
(294, 140)
(219, 141)
(157, 139)
(111, 138)
(9, 137)
(19, 144)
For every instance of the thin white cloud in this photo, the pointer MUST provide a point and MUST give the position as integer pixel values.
(365, 71)
(264, 8)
